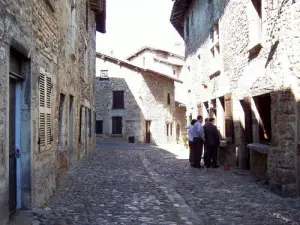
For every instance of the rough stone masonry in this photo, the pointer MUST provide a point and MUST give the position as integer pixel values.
(247, 52)
(47, 65)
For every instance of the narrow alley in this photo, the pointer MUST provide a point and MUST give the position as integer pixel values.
(141, 184)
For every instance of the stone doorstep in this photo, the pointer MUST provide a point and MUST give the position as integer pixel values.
(261, 148)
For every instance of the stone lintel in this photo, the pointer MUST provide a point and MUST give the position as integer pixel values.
(261, 148)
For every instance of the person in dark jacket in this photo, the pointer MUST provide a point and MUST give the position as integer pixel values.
(212, 142)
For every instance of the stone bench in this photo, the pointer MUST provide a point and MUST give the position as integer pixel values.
(258, 160)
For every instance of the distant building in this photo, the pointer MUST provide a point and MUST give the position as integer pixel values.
(47, 69)
(242, 67)
(134, 101)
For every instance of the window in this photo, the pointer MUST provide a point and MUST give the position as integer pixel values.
(72, 28)
(117, 125)
(45, 120)
(51, 4)
(99, 127)
(257, 6)
(174, 72)
(263, 105)
(80, 124)
(104, 74)
(169, 99)
(118, 100)
(167, 126)
(87, 15)
(144, 61)
(187, 26)
(86, 60)
(215, 42)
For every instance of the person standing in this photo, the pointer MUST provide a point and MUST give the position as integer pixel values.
(206, 121)
(198, 140)
(191, 144)
(212, 142)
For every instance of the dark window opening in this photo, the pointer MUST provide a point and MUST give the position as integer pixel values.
(99, 127)
(118, 100)
(80, 124)
(87, 15)
(169, 99)
(167, 129)
(257, 6)
(117, 125)
(263, 105)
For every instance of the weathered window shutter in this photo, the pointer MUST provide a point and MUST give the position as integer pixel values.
(45, 133)
(229, 130)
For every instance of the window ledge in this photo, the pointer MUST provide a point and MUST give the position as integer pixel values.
(116, 135)
(253, 47)
(264, 149)
(215, 74)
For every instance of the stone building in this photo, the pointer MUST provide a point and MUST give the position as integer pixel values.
(241, 66)
(47, 69)
(134, 103)
(171, 64)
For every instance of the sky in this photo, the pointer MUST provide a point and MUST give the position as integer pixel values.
(132, 24)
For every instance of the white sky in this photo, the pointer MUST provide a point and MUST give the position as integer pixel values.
(132, 24)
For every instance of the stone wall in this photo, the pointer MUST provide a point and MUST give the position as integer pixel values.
(145, 98)
(39, 32)
(248, 66)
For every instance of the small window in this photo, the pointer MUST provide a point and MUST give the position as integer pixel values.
(257, 6)
(174, 72)
(167, 126)
(87, 15)
(99, 127)
(117, 125)
(80, 124)
(118, 100)
(72, 28)
(169, 99)
(104, 74)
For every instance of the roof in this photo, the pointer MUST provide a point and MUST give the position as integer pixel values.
(133, 66)
(155, 50)
(99, 6)
(180, 7)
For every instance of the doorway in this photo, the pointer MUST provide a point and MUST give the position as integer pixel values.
(177, 133)
(86, 130)
(246, 105)
(71, 127)
(148, 132)
(14, 144)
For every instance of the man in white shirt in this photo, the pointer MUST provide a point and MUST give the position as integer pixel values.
(191, 143)
(198, 140)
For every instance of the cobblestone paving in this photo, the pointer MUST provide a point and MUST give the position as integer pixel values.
(139, 184)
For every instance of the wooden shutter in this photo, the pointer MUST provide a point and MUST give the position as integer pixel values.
(45, 119)
(229, 130)
(118, 99)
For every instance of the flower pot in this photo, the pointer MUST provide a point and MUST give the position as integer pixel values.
(227, 167)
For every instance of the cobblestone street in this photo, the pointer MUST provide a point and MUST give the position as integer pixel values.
(140, 184)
